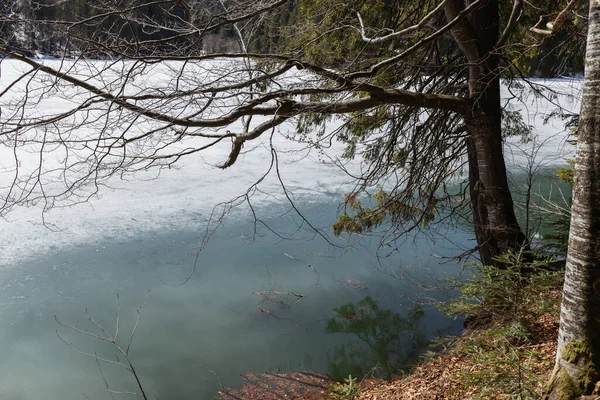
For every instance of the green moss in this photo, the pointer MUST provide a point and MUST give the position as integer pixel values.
(587, 378)
(567, 389)
(551, 384)
(576, 351)
(579, 353)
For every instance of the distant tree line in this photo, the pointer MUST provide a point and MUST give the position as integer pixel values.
(99, 28)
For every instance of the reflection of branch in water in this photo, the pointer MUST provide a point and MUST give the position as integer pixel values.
(388, 341)
(300, 261)
(263, 310)
(278, 297)
(422, 278)
(351, 283)
(283, 297)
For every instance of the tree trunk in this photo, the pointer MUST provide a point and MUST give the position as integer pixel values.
(578, 350)
(494, 218)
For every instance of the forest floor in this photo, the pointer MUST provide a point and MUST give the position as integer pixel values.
(480, 364)
(493, 360)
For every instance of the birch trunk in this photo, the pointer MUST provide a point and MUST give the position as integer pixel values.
(578, 350)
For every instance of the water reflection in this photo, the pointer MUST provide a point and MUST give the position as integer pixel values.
(214, 320)
(388, 342)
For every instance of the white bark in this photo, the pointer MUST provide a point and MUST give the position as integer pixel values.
(580, 311)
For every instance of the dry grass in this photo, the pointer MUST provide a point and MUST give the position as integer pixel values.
(452, 373)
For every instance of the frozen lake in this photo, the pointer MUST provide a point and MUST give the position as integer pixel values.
(140, 237)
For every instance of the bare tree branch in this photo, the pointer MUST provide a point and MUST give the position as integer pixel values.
(105, 336)
(555, 24)
(402, 32)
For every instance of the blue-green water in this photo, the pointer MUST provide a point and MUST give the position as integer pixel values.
(213, 321)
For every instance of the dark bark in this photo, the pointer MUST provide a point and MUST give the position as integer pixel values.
(494, 218)
(495, 223)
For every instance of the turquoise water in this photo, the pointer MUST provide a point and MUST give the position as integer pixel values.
(212, 321)
(203, 324)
